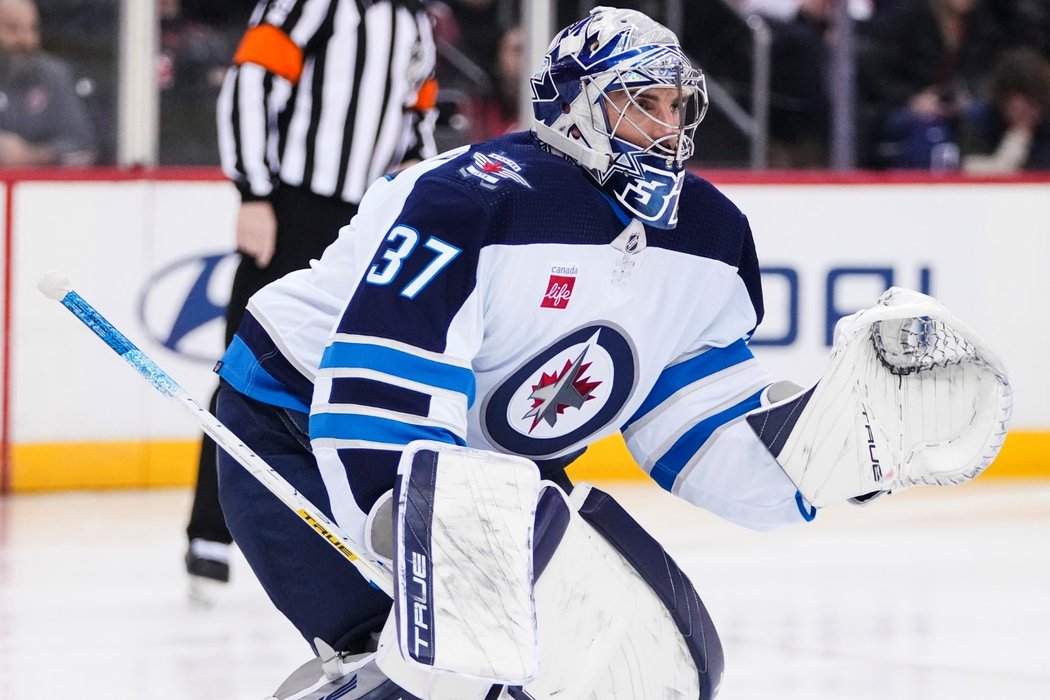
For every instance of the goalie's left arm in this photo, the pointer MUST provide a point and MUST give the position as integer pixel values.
(911, 396)
(690, 435)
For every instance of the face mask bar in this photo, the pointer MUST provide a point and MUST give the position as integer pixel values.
(635, 118)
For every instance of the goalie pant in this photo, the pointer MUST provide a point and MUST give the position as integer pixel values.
(326, 602)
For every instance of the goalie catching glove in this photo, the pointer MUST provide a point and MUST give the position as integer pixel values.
(911, 396)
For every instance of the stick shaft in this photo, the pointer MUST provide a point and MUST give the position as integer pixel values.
(264, 473)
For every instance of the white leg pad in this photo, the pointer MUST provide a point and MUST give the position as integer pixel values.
(604, 634)
(423, 681)
(463, 562)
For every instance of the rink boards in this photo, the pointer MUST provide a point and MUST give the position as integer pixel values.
(153, 254)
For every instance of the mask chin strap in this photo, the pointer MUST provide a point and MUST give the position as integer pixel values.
(586, 157)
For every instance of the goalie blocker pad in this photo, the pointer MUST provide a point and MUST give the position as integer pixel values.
(463, 562)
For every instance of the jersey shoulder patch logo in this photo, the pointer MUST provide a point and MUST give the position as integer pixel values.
(493, 169)
(562, 395)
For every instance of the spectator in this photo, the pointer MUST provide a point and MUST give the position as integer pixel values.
(190, 70)
(85, 34)
(42, 119)
(1026, 22)
(302, 134)
(1011, 131)
(479, 22)
(496, 113)
(721, 40)
(926, 62)
(798, 117)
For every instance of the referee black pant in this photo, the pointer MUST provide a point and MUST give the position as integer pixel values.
(306, 224)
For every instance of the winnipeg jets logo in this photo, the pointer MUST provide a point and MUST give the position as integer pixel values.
(569, 390)
(561, 390)
(492, 169)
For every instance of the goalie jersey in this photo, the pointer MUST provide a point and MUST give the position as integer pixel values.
(494, 297)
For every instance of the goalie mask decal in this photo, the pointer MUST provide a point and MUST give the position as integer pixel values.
(563, 394)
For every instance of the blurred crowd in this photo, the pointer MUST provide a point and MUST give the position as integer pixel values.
(943, 85)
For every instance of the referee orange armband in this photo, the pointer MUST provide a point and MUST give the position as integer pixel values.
(426, 98)
(267, 46)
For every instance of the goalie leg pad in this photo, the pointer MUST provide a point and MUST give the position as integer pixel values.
(463, 562)
(605, 631)
(667, 580)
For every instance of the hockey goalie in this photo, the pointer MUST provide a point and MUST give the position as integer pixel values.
(524, 591)
(491, 312)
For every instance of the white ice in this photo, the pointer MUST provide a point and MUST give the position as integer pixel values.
(932, 594)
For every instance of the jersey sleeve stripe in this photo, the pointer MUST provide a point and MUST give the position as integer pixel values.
(269, 47)
(336, 374)
(398, 345)
(671, 463)
(402, 364)
(682, 374)
(251, 94)
(379, 394)
(375, 429)
(240, 369)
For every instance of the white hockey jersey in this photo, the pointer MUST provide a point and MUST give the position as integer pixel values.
(494, 297)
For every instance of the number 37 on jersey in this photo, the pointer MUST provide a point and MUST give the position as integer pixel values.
(402, 242)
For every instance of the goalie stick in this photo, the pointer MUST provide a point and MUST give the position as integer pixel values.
(55, 285)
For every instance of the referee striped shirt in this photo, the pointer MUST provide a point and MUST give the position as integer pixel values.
(327, 95)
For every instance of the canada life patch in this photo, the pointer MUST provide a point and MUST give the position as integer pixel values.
(559, 287)
(492, 169)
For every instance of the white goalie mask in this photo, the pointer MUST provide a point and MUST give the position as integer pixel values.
(617, 95)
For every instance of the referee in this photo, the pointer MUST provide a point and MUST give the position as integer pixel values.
(324, 96)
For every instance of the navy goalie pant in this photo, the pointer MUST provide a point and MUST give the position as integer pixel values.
(319, 591)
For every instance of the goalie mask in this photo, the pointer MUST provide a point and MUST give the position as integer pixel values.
(617, 95)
